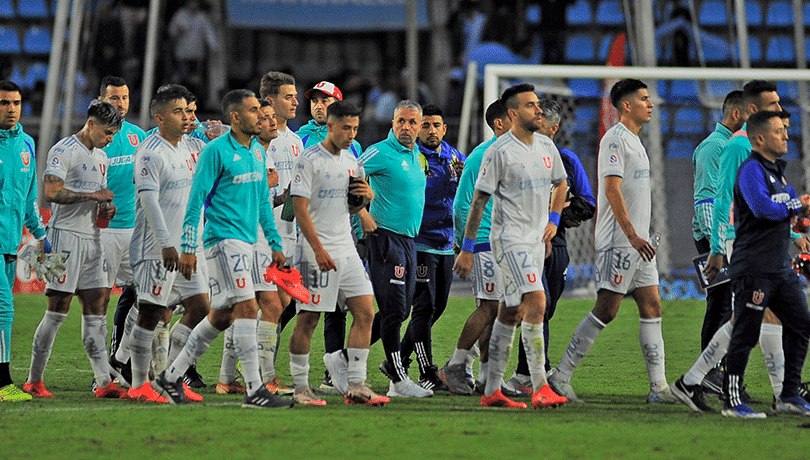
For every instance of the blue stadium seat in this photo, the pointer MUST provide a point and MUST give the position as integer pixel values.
(36, 72)
(753, 13)
(579, 13)
(666, 119)
(714, 53)
(37, 40)
(689, 120)
(9, 41)
(585, 117)
(32, 9)
(6, 9)
(795, 128)
(533, 14)
(604, 48)
(780, 14)
(719, 88)
(584, 87)
(579, 48)
(713, 13)
(684, 91)
(780, 50)
(16, 75)
(609, 13)
(754, 49)
(806, 14)
(680, 148)
(663, 89)
(788, 90)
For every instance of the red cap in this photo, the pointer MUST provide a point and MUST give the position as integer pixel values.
(327, 88)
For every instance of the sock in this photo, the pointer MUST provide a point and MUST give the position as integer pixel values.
(160, 348)
(43, 344)
(299, 369)
(268, 346)
(198, 341)
(358, 357)
(711, 355)
(5, 376)
(246, 346)
(652, 346)
(483, 371)
(227, 370)
(472, 354)
(459, 357)
(582, 341)
(122, 353)
(500, 343)
(535, 353)
(770, 341)
(178, 338)
(140, 344)
(94, 337)
(5, 346)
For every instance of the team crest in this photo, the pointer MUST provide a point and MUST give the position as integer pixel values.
(758, 296)
(399, 271)
(190, 166)
(26, 157)
(295, 150)
(489, 287)
(421, 271)
(351, 172)
(133, 139)
(532, 277)
(547, 162)
(62, 279)
(617, 279)
(156, 290)
(102, 169)
(241, 283)
(258, 154)
(316, 299)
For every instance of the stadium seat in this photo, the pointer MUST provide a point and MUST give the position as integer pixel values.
(780, 14)
(584, 118)
(36, 72)
(788, 90)
(32, 9)
(780, 50)
(753, 13)
(713, 13)
(663, 89)
(806, 14)
(684, 91)
(719, 88)
(9, 42)
(37, 40)
(609, 13)
(6, 9)
(793, 151)
(680, 148)
(795, 128)
(579, 13)
(689, 120)
(714, 53)
(584, 87)
(533, 14)
(665, 118)
(754, 49)
(579, 48)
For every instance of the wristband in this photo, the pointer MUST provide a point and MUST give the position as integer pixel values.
(554, 218)
(468, 244)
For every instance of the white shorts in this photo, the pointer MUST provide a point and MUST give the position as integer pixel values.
(622, 270)
(155, 285)
(230, 280)
(262, 258)
(115, 242)
(86, 267)
(288, 249)
(521, 268)
(486, 277)
(330, 288)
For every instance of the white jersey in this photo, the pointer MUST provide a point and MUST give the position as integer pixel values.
(269, 164)
(622, 154)
(196, 147)
(168, 170)
(284, 149)
(520, 178)
(323, 178)
(82, 170)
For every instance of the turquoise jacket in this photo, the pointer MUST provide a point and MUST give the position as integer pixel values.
(121, 153)
(18, 188)
(312, 133)
(464, 194)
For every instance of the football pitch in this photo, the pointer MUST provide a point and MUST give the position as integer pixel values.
(614, 422)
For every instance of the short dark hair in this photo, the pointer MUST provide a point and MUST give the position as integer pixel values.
(758, 122)
(110, 80)
(104, 113)
(273, 81)
(784, 114)
(494, 111)
(623, 88)
(340, 109)
(189, 96)
(552, 111)
(733, 100)
(233, 99)
(8, 85)
(508, 96)
(754, 89)
(432, 110)
(265, 103)
(161, 99)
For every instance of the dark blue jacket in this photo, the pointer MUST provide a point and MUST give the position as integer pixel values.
(578, 185)
(763, 204)
(436, 231)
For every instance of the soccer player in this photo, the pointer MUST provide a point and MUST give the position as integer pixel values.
(625, 258)
(486, 274)
(556, 263)
(230, 177)
(395, 174)
(75, 181)
(328, 262)
(434, 244)
(17, 208)
(524, 172)
(760, 270)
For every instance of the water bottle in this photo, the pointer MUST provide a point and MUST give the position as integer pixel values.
(101, 222)
(213, 129)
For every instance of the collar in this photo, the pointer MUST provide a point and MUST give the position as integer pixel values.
(392, 140)
(721, 128)
(9, 133)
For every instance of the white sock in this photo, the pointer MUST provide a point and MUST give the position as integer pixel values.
(652, 346)
(483, 371)
(535, 353)
(141, 352)
(198, 341)
(500, 343)
(472, 354)
(299, 369)
(227, 370)
(122, 352)
(358, 357)
(244, 342)
(582, 341)
(178, 338)
(459, 357)
(711, 355)
(770, 341)
(160, 348)
(43, 343)
(268, 346)
(94, 337)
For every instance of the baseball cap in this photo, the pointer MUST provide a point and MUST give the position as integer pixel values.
(327, 88)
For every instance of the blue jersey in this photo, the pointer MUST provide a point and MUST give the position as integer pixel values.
(436, 232)
(18, 188)
(312, 133)
(464, 194)
(232, 181)
(395, 174)
(578, 185)
(121, 152)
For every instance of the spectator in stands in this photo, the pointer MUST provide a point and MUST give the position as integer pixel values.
(551, 27)
(194, 39)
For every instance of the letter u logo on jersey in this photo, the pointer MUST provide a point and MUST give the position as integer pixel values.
(489, 287)
(188, 162)
(421, 271)
(532, 277)
(102, 169)
(295, 150)
(26, 158)
(399, 271)
(316, 299)
(758, 296)
(133, 139)
(617, 279)
(156, 290)
(62, 279)
(547, 162)
(240, 283)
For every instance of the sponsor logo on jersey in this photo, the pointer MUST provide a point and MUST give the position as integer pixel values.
(122, 160)
(144, 172)
(613, 158)
(758, 296)
(26, 157)
(399, 271)
(55, 161)
(248, 177)
(297, 178)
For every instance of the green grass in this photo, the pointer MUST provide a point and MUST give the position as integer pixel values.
(615, 422)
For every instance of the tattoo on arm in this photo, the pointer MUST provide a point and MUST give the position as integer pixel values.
(56, 192)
